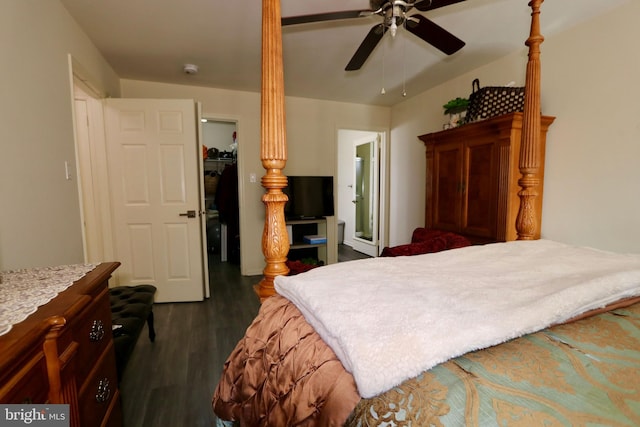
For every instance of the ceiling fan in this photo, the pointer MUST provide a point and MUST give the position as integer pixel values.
(394, 14)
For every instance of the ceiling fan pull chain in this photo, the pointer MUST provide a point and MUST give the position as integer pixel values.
(404, 67)
(384, 50)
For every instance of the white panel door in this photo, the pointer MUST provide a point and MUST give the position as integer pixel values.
(153, 159)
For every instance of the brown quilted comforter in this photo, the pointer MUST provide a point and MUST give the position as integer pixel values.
(283, 374)
(290, 378)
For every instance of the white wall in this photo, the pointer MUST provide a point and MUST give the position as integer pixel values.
(311, 137)
(593, 159)
(592, 176)
(40, 216)
(218, 134)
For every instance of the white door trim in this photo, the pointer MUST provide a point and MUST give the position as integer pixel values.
(91, 165)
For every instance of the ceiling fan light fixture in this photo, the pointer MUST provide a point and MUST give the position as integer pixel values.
(393, 28)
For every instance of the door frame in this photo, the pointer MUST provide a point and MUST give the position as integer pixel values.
(90, 146)
(372, 195)
(345, 136)
(236, 122)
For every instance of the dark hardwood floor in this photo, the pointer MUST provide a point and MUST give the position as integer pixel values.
(346, 253)
(170, 382)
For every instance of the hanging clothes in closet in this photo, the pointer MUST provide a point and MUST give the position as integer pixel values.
(227, 203)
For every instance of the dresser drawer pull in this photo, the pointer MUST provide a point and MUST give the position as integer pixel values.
(104, 392)
(97, 330)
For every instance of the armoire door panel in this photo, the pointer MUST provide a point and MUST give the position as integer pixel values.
(479, 200)
(448, 185)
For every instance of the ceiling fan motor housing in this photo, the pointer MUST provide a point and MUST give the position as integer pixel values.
(393, 11)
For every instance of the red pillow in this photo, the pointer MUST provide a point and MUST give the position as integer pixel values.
(427, 241)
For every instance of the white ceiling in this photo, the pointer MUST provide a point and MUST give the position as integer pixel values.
(152, 39)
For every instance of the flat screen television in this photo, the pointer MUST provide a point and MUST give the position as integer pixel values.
(309, 197)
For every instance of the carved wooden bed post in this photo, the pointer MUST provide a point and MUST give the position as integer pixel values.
(526, 224)
(275, 243)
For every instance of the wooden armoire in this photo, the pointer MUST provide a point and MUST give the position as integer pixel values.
(472, 178)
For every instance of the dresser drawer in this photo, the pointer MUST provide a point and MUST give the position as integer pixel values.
(99, 394)
(93, 334)
(30, 384)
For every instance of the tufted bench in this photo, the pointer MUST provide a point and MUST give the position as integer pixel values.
(131, 307)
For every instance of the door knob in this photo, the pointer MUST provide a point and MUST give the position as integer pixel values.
(189, 214)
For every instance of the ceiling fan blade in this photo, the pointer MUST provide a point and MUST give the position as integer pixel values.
(329, 16)
(366, 47)
(425, 5)
(434, 34)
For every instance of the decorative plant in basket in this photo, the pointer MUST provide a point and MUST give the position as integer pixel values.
(454, 108)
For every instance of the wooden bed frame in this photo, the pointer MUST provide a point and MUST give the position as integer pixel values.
(273, 152)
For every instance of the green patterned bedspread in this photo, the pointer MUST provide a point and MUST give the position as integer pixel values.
(586, 373)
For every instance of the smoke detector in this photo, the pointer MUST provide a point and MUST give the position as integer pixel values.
(190, 69)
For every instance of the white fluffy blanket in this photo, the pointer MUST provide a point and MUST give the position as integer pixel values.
(388, 319)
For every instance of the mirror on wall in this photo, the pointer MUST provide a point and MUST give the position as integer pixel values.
(364, 221)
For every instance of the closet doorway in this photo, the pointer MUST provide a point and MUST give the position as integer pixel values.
(221, 200)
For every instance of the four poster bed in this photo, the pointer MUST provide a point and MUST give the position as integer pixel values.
(530, 332)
